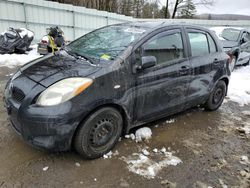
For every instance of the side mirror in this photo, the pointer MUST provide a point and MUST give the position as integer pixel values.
(243, 40)
(148, 61)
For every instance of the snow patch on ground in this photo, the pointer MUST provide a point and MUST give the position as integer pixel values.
(45, 168)
(13, 60)
(170, 121)
(239, 87)
(148, 164)
(110, 154)
(140, 135)
(144, 133)
(244, 160)
(245, 129)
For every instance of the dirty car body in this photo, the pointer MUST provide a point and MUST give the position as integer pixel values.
(162, 69)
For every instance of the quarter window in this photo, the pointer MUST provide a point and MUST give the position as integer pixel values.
(199, 44)
(165, 48)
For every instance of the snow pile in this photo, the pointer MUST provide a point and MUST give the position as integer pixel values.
(132, 136)
(45, 168)
(110, 154)
(144, 133)
(14, 60)
(245, 129)
(239, 87)
(244, 159)
(141, 134)
(170, 121)
(147, 165)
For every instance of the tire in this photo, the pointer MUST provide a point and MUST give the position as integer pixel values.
(233, 63)
(217, 96)
(246, 64)
(98, 134)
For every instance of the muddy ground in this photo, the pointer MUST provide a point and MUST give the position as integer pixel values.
(210, 145)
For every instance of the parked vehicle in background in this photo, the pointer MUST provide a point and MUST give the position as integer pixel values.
(15, 40)
(51, 42)
(236, 43)
(113, 79)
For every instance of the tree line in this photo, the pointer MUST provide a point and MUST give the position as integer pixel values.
(144, 8)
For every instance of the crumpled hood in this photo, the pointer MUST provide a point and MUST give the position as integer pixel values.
(228, 44)
(52, 68)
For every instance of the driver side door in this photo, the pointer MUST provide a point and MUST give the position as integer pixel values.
(162, 89)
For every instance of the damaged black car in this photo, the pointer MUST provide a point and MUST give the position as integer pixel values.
(113, 79)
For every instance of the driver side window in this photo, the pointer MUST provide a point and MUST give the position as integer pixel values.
(164, 47)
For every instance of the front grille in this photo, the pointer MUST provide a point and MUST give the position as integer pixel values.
(17, 94)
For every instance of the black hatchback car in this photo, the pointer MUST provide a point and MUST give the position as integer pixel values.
(113, 79)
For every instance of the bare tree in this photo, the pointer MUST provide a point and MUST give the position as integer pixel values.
(178, 4)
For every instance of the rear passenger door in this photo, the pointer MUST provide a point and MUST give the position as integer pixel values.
(206, 62)
(162, 89)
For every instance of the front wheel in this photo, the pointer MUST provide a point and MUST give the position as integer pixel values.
(216, 97)
(98, 133)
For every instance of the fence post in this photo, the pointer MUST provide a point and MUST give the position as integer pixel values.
(25, 15)
(74, 26)
(107, 20)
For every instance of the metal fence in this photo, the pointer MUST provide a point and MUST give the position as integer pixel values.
(37, 15)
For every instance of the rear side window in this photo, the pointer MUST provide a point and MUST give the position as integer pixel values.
(199, 43)
(165, 48)
(212, 44)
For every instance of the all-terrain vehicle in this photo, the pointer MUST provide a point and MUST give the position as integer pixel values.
(51, 42)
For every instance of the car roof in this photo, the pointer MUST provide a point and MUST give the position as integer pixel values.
(221, 28)
(159, 24)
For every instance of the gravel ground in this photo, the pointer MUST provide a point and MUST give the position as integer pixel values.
(213, 148)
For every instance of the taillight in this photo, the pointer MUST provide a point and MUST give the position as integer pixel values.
(229, 59)
(44, 41)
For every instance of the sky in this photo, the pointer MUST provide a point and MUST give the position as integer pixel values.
(224, 7)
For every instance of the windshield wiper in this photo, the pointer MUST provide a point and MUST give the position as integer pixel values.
(78, 56)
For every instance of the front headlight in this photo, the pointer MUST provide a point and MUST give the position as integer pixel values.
(63, 91)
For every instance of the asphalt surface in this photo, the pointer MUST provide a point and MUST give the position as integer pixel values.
(210, 145)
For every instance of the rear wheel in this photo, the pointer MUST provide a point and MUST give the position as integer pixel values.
(99, 133)
(216, 97)
(232, 64)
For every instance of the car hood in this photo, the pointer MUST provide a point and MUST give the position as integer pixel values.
(228, 44)
(52, 68)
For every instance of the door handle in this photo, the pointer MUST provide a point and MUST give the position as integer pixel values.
(216, 61)
(184, 70)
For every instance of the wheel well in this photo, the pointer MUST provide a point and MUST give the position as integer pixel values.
(116, 106)
(225, 80)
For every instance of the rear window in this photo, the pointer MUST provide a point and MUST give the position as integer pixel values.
(199, 43)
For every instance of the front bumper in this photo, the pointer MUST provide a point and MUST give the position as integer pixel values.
(51, 128)
(42, 129)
